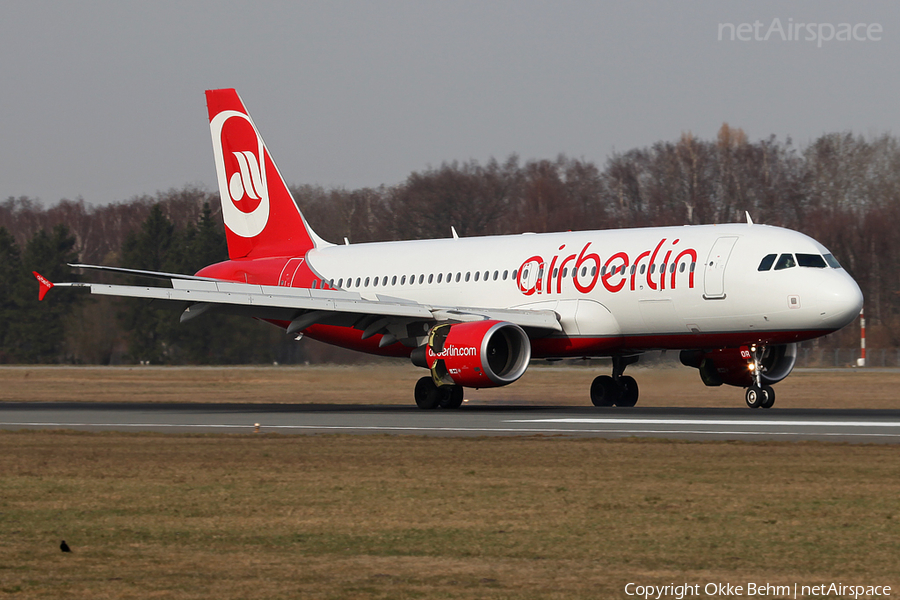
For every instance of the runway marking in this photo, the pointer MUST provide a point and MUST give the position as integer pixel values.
(610, 421)
(452, 429)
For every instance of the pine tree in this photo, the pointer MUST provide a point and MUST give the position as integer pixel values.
(36, 330)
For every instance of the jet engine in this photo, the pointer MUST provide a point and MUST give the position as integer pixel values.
(734, 366)
(479, 354)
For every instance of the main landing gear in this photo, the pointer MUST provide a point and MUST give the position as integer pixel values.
(618, 390)
(429, 395)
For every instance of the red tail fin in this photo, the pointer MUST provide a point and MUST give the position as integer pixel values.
(261, 218)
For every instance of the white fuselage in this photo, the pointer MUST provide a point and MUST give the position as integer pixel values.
(608, 286)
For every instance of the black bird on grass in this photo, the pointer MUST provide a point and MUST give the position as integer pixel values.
(64, 546)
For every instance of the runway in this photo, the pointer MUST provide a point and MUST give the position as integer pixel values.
(854, 426)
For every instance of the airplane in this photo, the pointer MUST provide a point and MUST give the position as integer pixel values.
(734, 299)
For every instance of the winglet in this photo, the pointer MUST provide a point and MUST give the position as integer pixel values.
(749, 220)
(46, 284)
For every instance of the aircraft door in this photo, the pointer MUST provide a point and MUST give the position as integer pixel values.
(714, 268)
(290, 269)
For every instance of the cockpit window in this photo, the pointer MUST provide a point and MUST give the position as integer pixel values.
(767, 261)
(811, 260)
(832, 261)
(785, 261)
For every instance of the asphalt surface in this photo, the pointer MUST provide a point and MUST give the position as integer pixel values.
(854, 426)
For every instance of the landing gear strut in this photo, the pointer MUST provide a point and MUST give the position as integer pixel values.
(759, 395)
(429, 395)
(618, 390)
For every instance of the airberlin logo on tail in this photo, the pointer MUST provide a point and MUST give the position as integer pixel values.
(240, 167)
(247, 180)
(656, 268)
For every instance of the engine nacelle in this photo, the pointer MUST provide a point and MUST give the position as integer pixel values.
(480, 354)
(734, 366)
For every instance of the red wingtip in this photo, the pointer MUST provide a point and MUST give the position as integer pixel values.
(46, 284)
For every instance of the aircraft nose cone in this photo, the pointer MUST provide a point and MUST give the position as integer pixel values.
(840, 301)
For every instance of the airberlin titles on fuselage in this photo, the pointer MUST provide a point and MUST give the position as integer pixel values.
(617, 273)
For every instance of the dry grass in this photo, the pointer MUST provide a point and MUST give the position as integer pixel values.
(392, 383)
(403, 517)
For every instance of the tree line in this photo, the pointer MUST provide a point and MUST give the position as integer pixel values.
(841, 189)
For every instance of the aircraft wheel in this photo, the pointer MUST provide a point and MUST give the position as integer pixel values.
(452, 396)
(754, 396)
(604, 391)
(629, 391)
(769, 400)
(428, 395)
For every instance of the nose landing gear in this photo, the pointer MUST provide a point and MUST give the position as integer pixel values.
(618, 390)
(758, 395)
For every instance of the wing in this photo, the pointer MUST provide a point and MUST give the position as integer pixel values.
(396, 319)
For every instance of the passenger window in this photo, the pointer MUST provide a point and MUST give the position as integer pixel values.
(421, 278)
(766, 262)
(469, 274)
(832, 261)
(477, 274)
(341, 282)
(403, 280)
(514, 273)
(430, 278)
(449, 277)
(496, 274)
(643, 269)
(681, 268)
(785, 261)
(367, 282)
(486, 275)
(394, 280)
(375, 282)
(440, 277)
(811, 260)
(357, 282)
(384, 281)
(504, 275)
(458, 276)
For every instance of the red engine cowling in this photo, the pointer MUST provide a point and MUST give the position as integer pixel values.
(480, 354)
(734, 366)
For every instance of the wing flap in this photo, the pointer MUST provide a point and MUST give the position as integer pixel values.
(262, 300)
(244, 294)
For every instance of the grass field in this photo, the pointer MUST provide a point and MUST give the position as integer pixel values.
(268, 516)
(261, 516)
(393, 383)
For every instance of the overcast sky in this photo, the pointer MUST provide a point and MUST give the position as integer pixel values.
(104, 100)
